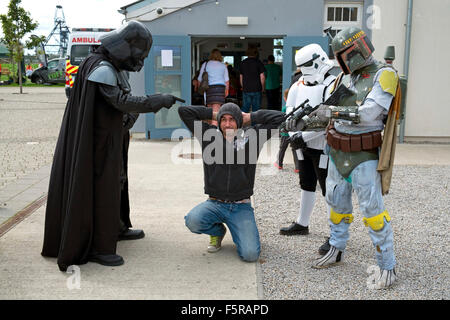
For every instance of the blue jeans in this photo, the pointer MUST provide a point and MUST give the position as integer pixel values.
(208, 217)
(251, 100)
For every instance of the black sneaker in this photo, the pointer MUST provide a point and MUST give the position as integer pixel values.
(294, 229)
(324, 248)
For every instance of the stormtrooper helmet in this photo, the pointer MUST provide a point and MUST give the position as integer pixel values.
(313, 63)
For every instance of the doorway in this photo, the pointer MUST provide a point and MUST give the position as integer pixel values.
(233, 50)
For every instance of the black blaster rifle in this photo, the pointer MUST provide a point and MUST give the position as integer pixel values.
(289, 116)
(339, 93)
(305, 109)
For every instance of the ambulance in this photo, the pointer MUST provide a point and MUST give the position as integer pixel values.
(82, 41)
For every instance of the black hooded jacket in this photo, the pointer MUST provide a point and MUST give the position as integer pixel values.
(229, 168)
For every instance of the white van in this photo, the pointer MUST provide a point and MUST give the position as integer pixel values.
(82, 41)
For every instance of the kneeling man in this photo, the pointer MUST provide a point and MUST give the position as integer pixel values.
(230, 154)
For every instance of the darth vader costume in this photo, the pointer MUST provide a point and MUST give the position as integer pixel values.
(125, 233)
(82, 218)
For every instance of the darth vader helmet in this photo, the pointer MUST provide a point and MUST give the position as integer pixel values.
(128, 46)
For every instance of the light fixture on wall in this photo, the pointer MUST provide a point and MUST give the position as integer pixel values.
(189, 9)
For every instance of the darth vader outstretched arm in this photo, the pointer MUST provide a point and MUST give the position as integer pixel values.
(128, 103)
(107, 79)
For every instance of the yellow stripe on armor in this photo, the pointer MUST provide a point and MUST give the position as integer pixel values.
(336, 218)
(377, 222)
(388, 81)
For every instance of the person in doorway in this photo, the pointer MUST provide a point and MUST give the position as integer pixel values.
(229, 173)
(273, 83)
(284, 144)
(284, 136)
(252, 80)
(82, 219)
(235, 87)
(218, 80)
(196, 97)
(313, 85)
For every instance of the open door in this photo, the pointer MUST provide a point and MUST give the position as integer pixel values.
(167, 70)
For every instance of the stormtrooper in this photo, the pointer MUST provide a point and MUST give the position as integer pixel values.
(82, 220)
(358, 150)
(314, 85)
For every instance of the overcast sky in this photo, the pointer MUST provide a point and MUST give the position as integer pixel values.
(78, 13)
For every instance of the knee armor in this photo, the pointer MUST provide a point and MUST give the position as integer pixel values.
(377, 222)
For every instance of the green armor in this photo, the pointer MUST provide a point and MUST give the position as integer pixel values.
(363, 81)
(345, 162)
(352, 48)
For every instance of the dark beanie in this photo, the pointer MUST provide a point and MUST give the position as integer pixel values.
(233, 110)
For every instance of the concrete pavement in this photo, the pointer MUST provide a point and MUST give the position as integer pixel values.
(170, 262)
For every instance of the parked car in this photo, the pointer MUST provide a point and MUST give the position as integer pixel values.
(54, 72)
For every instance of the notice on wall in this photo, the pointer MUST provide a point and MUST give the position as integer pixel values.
(167, 58)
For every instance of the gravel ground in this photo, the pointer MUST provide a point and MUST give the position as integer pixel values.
(418, 204)
(29, 128)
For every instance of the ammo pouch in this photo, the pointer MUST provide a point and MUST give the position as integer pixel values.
(353, 142)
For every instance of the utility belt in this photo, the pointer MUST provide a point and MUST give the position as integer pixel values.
(369, 141)
(247, 200)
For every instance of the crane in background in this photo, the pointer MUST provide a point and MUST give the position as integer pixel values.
(60, 35)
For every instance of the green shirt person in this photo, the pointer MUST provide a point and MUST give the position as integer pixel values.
(273, 86)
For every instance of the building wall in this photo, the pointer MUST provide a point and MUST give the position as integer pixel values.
(427, 111)
(266, 17)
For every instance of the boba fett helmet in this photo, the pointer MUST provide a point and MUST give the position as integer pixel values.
(352, 48)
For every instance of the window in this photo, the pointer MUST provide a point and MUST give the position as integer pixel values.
(52, 64)
(341, 15)
(278, 50)
(79, 53)
(228, 60)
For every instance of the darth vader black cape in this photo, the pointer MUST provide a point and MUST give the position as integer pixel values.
(83, 205)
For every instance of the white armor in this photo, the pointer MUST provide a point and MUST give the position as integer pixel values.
(313, 62)
(316, 94)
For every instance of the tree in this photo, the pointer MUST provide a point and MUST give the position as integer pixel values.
(16, 24)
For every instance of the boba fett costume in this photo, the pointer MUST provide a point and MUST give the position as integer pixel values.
(354, 138)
